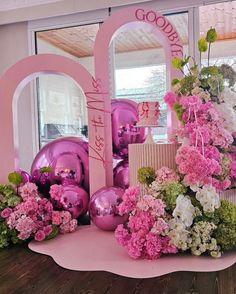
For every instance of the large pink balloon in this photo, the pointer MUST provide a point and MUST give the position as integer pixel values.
(103, 208)
(121, 174)
(75, 200)
(25, 176)
(124, 132)
(69, 160)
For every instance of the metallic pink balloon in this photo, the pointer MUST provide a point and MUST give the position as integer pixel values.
(124, 132)
(103, 208)
(25, 176)
(68, 157)
(121, 174)
(75, 200)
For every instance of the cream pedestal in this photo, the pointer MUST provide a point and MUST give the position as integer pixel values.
(153, 155)
(229, 195)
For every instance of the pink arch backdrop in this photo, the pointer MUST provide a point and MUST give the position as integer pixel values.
(165, 33)
(96, 91)
(12, 83)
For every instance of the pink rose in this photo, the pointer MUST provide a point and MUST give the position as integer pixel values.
(39, 236)
(47, 230)
(6, 212)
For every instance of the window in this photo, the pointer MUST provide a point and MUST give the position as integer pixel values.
(140, 70)
(222, 17)
(61, 102)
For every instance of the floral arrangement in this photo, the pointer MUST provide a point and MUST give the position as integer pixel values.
(25, 214)
(205, 104)
(172, 217)
(182, 210)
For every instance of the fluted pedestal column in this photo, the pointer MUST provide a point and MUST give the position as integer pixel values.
(153, 155)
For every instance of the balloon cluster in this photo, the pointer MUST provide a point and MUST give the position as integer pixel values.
(124, 132)
(64, 161)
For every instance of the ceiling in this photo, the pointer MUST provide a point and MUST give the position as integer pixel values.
(79, 41)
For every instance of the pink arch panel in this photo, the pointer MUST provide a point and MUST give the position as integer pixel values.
(11, 85)
(165, 33)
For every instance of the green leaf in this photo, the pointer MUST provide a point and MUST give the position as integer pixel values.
(175, 82)
(54, 232)
(15, 178)
(210, 71)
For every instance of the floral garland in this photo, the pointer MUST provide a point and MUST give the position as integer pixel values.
(182, 210)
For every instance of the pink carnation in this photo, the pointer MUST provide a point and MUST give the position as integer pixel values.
(28, 190)
(56, 192)
(122, 235)
(73, 225)
(159, 226)
(6, 212)
(56, 218)
(153, 246)
(130, 199)
(135, 245)
(233, 169)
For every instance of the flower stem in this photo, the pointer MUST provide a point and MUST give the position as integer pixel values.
(209, 50)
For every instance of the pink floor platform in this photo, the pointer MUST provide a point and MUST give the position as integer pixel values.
(90, 249)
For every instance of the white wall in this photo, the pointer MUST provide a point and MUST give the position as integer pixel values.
(14, 46)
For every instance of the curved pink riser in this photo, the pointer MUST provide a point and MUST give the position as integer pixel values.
(90, 249)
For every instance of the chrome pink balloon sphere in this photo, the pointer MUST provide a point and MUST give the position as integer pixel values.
(25, 176)
(121, 174)
(103, 208)
(75, 200)
(68, 158)
(124, 118)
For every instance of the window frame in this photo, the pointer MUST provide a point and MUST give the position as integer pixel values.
(98, 16)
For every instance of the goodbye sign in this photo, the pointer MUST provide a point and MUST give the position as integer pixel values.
(96, 90)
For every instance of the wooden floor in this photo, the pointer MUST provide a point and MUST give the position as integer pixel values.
(22, 271)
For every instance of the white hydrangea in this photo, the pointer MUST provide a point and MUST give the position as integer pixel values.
(184, 210)
(209, 198)
(228, 96)
(228, 114)
(178, 234)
